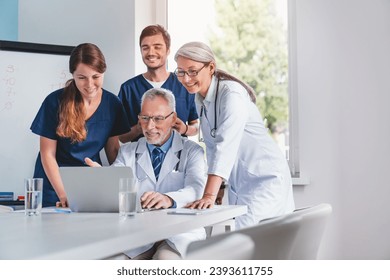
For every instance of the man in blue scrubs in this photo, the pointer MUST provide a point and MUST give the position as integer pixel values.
(155, 47)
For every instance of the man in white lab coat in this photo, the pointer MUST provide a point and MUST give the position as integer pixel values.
(182, 173)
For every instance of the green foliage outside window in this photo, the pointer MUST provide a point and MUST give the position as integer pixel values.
(250, 42)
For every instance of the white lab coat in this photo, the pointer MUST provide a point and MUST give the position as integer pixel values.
(243, 153)
(184, 182)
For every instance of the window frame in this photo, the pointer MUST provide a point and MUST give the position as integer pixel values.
(293, 137)
(293, 159)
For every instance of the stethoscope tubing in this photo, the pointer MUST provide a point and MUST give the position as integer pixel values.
(213, 131)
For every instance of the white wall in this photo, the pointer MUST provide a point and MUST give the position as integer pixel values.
(343, 71)
(108, 24)
(146, 12)
(114, 26)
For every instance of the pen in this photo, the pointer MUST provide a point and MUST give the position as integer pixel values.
(149, 209)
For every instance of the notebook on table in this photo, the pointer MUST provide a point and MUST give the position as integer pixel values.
(93, 189)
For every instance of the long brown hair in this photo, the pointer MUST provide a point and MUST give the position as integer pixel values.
(71, 111)
(222, 75)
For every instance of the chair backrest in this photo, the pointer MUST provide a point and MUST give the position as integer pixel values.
(273, 238)
(313, 224)
(4, 208)
(233, 246)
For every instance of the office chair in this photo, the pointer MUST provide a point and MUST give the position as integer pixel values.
(313, 224)
(273, 238)
(233, 246)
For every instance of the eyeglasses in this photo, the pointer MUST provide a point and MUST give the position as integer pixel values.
(156, 119)
(190, 72)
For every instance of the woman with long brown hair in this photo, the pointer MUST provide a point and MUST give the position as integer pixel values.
(77, 121)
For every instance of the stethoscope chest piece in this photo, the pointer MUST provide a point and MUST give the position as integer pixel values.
(214, 130)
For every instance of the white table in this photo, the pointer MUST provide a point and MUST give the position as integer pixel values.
(95, 235)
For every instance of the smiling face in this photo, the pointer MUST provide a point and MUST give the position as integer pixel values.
(199, 83)
(154, 51)
(157, 133)
(88, 81)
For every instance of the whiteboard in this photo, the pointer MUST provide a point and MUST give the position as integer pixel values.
(26, 78)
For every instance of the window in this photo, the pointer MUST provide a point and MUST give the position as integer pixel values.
(250, 40)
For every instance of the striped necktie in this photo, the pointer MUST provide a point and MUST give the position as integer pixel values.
(156, 161)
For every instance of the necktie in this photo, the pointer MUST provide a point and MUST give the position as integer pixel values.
(156, 161)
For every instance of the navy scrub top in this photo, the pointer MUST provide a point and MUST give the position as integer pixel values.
(132, 90)
(108, 120)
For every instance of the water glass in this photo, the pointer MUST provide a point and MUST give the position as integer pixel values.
(33, 196)
(128, 202)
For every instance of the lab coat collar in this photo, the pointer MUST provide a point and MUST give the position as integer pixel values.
(170, 161)
(210, 96)
(143, 160)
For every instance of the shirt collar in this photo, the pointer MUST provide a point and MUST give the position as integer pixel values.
(210, 96)
(165, 147)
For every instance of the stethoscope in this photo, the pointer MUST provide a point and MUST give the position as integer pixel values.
(213, 131)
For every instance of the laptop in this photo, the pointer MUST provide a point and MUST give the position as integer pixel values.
(93, 189)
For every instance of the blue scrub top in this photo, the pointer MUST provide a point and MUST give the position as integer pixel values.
(108, 120)
(132, 90)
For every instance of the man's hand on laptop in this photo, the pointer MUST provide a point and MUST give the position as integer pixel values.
(91, 163)
(155, 200)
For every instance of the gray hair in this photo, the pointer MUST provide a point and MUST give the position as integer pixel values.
(162, 92)
(200, 52)
(196, 51)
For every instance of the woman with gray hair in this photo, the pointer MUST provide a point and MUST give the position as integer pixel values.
(238, 147)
